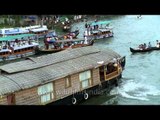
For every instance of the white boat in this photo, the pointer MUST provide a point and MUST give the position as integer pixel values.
(98, 30)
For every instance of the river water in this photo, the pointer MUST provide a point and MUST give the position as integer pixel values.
(141, 79)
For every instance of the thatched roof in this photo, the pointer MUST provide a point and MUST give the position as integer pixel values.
(36, 71)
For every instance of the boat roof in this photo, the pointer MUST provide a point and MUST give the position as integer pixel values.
(39, 29)
(11, 31)
(13, 37)
(36, 71)
(100, 23)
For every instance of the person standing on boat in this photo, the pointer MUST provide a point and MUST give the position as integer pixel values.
(144, 46)
(86, 25)
(149, 45)
(85, 41)
(157, 43)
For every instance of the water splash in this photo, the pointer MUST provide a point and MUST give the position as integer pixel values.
(139, 91)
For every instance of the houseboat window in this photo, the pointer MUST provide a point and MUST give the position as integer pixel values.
(85, 78)
(46, 92)
(111, 67)
(68, 82)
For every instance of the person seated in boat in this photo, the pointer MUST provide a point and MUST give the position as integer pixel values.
(16, 40)
(140, 47)
(0, 47)
(62, 46)
(48, 39)
(52, 47)
(71, 37)
(82, 42)
(23, 42)
(29, 42)
(149, 45)
(5, 46)
(144, 46)
(157, 43)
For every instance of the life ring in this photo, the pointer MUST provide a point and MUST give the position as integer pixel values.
(74, 101)
(86, 96)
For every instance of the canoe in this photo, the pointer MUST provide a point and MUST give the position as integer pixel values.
(144, 50)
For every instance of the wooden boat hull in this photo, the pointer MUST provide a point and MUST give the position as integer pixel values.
(145, 50)
(94, 91)
(44, 51)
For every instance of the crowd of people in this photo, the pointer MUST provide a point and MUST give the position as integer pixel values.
(17, 43)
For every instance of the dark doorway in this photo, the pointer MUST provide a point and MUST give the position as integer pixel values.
(101, 73)
(11, 99)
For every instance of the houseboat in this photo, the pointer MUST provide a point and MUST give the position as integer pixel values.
(12, 47)
(98, 30)
(65, 77)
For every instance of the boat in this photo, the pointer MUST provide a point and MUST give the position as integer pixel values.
(53, 45)
(144, 50)
(98, 30)
(17, 46)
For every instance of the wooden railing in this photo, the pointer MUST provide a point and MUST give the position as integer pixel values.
(111, 75)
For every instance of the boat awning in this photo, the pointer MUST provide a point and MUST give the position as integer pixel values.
(39, 29)
(10, 38)
(101, 23)
(19, 32)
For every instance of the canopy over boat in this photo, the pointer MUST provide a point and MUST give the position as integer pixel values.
(10, 31)
(101, 23)
(10, 38)
(39, 29)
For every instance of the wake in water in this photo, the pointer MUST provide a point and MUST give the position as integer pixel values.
(137, 91)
